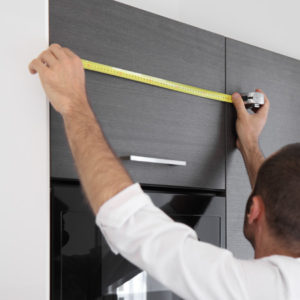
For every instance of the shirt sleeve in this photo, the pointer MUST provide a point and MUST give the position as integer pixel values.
(169, 251)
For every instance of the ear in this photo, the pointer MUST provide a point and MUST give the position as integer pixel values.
(256, 209)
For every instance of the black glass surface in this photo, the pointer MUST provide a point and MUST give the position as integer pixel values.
(82, 265)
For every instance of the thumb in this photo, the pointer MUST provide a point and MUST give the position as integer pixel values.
(239, 104)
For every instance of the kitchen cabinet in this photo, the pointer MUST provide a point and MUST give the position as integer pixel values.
(248, 68)
(143, 120)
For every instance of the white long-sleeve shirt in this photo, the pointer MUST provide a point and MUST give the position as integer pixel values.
(170, 252)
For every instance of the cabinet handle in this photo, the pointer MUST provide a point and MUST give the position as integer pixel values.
(154, 160)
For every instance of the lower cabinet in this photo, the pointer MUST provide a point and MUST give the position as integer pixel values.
(248, 68)
(82, 265)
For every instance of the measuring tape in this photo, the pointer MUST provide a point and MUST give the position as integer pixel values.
(163, 83)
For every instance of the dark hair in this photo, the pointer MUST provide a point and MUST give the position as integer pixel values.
(278, 183)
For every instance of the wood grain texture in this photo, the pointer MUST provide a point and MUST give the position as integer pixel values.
(140, 119)
(248, 68)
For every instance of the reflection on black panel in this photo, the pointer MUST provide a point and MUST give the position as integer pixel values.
(82, 265)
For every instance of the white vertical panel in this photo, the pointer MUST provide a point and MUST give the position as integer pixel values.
(270, 24)
(24, 154)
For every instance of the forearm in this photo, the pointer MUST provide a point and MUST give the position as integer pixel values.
(101, 173)
(253, 159)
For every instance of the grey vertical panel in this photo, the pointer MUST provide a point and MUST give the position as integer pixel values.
(140, 119)
(248, 68)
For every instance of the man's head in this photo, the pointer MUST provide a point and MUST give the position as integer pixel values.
(273, 208)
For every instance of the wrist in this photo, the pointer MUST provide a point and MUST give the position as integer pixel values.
(249, 146)
(252, 154)
(77, 107)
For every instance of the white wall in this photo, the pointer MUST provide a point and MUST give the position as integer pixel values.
(24, 154)
(269, 24)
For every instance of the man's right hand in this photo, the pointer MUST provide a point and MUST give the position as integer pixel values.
(249, 127)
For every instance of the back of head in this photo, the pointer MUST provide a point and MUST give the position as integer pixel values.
(278, 183)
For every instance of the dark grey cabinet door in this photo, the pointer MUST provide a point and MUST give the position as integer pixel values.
(140, 119)
(249, 67)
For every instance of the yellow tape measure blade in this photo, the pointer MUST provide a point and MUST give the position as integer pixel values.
(155, 81)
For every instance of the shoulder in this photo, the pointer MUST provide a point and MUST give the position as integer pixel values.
(272, 277)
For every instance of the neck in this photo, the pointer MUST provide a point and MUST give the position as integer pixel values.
(267, 246)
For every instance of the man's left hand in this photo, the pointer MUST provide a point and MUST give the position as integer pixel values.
(63, 79)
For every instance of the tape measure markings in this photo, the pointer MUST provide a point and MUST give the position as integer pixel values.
(155, 81)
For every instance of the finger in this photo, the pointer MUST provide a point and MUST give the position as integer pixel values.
(262, 92)
(57, 51)
(239, 104)
(69, 52)
(36, 66)
(265, 96)
(48, 58)
(264, 109)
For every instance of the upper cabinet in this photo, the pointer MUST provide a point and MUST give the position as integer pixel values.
(248, 68)
(143, 120)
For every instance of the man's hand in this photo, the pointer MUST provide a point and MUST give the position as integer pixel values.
(249, 127)
(62, 76)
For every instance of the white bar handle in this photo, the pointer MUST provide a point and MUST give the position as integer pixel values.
(155, 160)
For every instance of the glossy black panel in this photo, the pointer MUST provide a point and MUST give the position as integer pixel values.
(83, 267)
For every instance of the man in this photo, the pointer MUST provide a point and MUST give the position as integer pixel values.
(142, 233)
